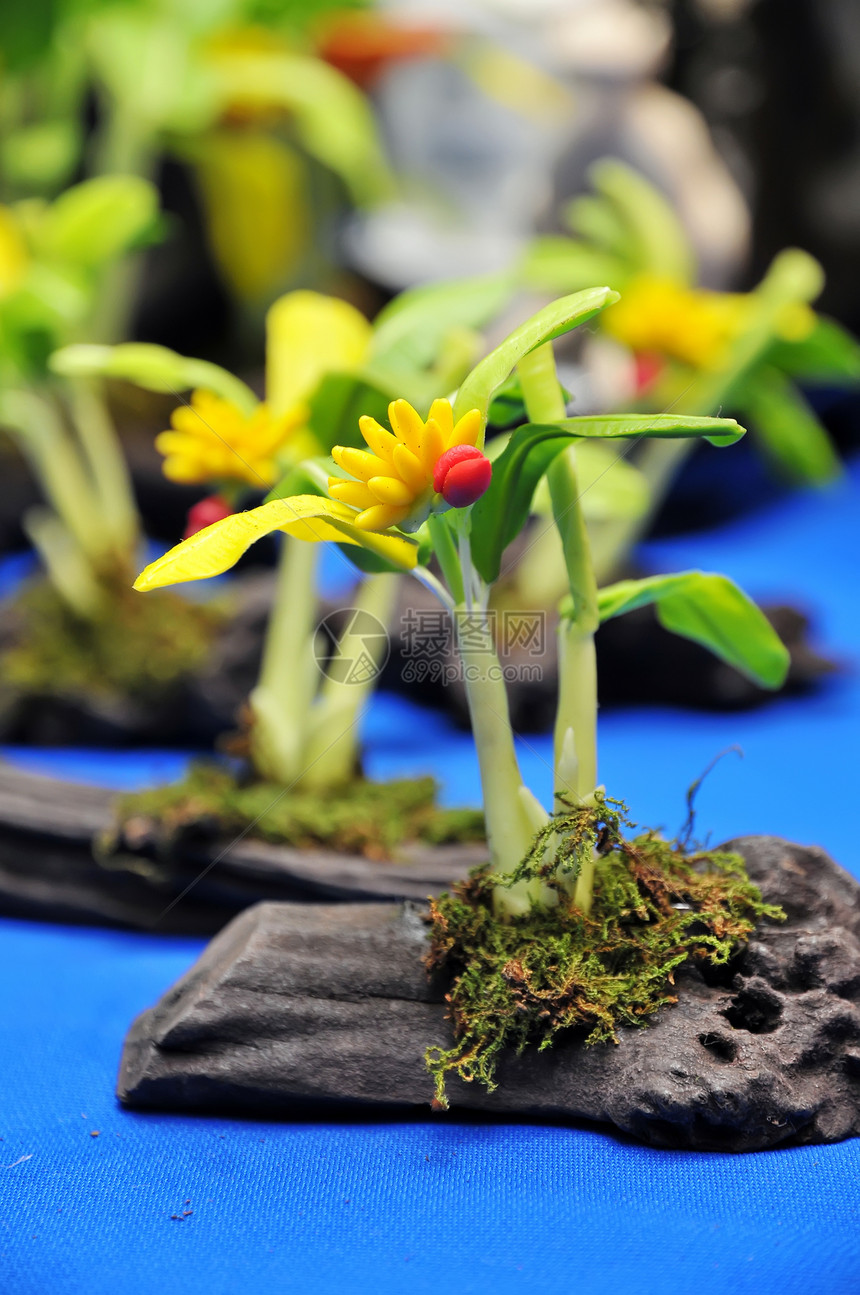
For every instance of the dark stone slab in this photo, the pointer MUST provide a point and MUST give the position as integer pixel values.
(291, 1007)
(49, 869)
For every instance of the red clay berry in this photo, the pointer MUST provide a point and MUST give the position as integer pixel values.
(461, 475)
(204, 513)
(648, 369)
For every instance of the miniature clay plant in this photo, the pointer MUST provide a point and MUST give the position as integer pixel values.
(325, 363)
(276, 139)
(77, 631)
(696, 350)
(569, 923)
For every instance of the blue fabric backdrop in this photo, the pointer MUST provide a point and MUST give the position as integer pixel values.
(433, 1205)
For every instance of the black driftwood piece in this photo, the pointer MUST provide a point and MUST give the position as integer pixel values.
(290, 1008)
(48, 869)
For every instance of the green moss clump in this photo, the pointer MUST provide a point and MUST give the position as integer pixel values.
(132, 647)
(524, 980)
(363, 817)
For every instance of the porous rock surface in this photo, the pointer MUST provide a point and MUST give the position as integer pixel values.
(295, 1005)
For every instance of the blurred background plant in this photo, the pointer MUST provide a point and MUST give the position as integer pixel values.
(170, 168)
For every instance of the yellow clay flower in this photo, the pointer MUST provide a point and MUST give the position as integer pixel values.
(394, 482)
(663, 317)
(211, 440)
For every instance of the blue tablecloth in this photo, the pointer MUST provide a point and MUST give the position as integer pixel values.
(432, 1205)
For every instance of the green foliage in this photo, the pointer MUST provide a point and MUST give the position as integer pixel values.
(626, 227)
(331, 117)
(656, 235)
(559, 317)
(156, 368)
(500, 514)
(96, 221)
(556, 264)
(829, 354)
(410, 330)
(711, 610)
(369, 818)
(787, 427)
(26, 28)
(41, 156)
(528, 980)
(339, 401)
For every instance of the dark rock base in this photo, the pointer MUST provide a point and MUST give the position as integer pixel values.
(49, 870)
(192, 711)
(291, 1007)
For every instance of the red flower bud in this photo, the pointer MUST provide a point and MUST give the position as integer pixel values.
(461, 475)
(648, 369)
(204, 513)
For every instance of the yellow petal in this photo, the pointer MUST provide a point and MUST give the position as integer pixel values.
(407, 425)
(354, 493)
(379, 440)
(410, 469)
(388, 491)
(443, 416)
(184, 471)
(308, 335)
(432, 444)
(173, 442)
(380, 517)
(308, 517)
(467, 431)
(358, 463)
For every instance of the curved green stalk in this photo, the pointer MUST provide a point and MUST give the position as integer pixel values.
(280, 703)
(65, 565)
(39, 431)
(106, 461)
(509, 807)
(575, 741)
(331, 751)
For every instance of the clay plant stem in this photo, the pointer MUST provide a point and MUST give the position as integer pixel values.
(58, 467)
(331, 749)
(107, 465)
(280, 703)
(575, 741)
(509, 808)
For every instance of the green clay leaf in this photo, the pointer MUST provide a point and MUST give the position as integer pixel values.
(338, 403)
(556, 264)
(96, 221)
(657, 237)
(555, 319)
(500, 514)
(828, 354)
(709, 609)
(788, 428)
(332, 119)
(409, 332)
(156, 368)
